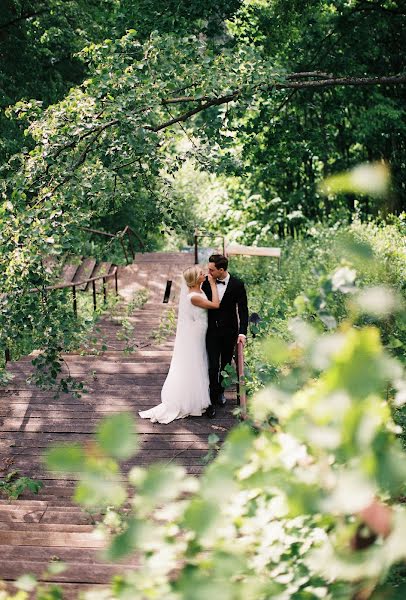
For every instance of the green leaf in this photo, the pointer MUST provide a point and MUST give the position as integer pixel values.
(69, 459)
(125, 543)
(27, 583)
(56, 567)
(201, 515)
(97, 491)
(117, 437)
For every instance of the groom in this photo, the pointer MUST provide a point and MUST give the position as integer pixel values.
(226, 325)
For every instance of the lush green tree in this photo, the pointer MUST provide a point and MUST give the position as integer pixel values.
(106, 151)
(288, 140)
(39, 40)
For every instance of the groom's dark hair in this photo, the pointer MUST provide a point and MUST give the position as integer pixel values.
(219, 260)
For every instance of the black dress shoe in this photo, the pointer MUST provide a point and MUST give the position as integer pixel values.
(221, 400)
(211, 411)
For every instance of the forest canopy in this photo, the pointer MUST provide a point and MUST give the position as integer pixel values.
(112, 111)
(272, 122)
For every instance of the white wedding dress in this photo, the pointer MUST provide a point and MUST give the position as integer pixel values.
(186, 388)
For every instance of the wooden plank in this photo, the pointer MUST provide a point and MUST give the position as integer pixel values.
(88, 425)
(76, 367)
(43, 528)
(34, 395)
(101, 269)
(36, 528)
(69, 272)
(52, 539)
(63, 437)
(84, 271)
(65, 554)
(22, 511)
(86, 574)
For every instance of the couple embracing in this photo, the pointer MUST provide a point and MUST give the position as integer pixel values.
(212, 316)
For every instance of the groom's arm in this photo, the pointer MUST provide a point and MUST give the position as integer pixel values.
(242, 305)
(207, 289)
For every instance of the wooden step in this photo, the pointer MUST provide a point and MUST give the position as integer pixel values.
(36, 529)
(84, 271)
(68, 272)
(101, 270)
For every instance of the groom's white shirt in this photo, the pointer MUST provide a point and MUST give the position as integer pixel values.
(221, 288)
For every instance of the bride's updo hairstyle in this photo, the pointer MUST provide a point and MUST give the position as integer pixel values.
(191, 275)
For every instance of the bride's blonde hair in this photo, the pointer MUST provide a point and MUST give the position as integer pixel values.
(191, 275)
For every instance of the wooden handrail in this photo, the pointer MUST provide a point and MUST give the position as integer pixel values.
(241, 392)
(140, 240)
(119, 236)
(60, 286)
(98, 231)
(270, 252)
(74, 285)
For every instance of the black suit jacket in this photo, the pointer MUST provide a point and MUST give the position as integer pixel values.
(233, 312)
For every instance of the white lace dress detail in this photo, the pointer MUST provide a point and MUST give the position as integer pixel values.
(186, 388)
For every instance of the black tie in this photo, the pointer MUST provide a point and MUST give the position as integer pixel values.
(220, 281)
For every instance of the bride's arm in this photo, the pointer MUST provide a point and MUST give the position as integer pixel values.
(204, 302)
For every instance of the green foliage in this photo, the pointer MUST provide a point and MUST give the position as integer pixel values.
(12, 485)
(39, 42)
(116, 436)
(273, 504)
(283, 145)
(316, 281)
(138, 300)
(29, 584)
(166, 327)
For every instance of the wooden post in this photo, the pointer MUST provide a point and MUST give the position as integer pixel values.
(94, 295)
(75, 304)
(7, 355)
(241, 394)
(116, 281)
(104, 291)
(124, 250)
(237, 367)
(196, 251)
(130, 244)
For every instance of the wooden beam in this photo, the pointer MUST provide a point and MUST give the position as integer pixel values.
(234, 249)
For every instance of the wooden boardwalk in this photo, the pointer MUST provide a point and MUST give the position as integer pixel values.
(37, 529)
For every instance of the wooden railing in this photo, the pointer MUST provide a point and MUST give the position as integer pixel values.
(204, 234)
(127, 233)
(239, 250)
(74, 285)
(241, 392)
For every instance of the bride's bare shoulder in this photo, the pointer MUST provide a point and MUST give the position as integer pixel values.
(197, 298)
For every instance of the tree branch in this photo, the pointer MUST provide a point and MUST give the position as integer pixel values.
(194, 111)
(345, 81)
(328, 81)
(295, 85)
(218, 101)
(23, 18)
(304, 74)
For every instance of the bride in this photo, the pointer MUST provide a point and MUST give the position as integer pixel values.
(186, 388)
